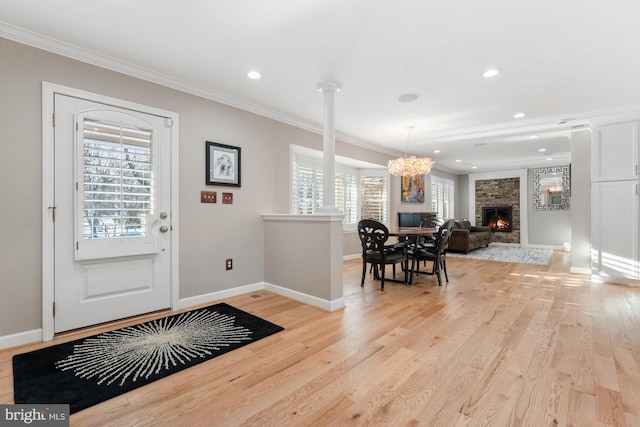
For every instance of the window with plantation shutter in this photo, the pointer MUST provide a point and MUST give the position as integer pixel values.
(305, 192)
(357, 191)
(116, 191)
(374, 197)
(347, 197)
(442, 196)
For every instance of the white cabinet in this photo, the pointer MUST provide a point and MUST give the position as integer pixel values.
(615, 188)
(615, 229)
(615, 152)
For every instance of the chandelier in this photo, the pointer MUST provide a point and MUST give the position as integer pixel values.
(410, 166)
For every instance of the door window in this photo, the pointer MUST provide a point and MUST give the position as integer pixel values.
(117, 179)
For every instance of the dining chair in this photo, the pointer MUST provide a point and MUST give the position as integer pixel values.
(431, 223)
(437, 253)
(373, 236)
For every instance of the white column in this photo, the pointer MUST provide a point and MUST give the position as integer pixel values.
(329, 90)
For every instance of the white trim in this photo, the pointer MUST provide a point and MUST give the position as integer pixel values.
(604, 278)
(29, 38)
(517, 173)
(48, 171)
(37, 335)
(305, 298)
(303, 218)
(577, 270)
(350, 257)
(256, 287)
(219, 295)
(21, 338)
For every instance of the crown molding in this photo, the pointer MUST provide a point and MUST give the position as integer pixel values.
(33, 39)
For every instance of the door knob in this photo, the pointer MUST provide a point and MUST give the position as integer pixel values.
(164, 229)
(163, 215)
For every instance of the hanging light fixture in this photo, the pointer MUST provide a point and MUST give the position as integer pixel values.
(410, 166)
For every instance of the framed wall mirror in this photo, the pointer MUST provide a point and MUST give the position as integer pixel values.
(552, 188)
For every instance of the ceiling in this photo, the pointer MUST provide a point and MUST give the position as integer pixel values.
(562, 63)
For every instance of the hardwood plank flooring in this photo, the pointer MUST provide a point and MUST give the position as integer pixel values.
(500, 344)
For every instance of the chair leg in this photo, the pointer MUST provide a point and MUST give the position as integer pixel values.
(364, 272)
(436, 267)
(382, 278)
(444, 267)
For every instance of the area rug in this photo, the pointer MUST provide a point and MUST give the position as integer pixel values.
(508, 254)
(91, 370)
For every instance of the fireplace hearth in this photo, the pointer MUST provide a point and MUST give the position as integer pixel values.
(498, 218)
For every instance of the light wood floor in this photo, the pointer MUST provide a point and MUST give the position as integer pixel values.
(500, 345)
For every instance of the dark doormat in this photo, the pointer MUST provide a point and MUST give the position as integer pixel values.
(90, 370)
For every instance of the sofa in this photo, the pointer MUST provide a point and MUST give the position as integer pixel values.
(466, 237)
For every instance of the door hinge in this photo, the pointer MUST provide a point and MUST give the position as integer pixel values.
(53, 213)
(54, 309)
(53, 119)
(77, 246)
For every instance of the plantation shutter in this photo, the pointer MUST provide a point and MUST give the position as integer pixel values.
(304, 196)
(374, 198)
(356, 190)
(115, 185)
(442, 194)
(117, 180)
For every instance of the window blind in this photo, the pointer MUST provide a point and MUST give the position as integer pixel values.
(117, 187)
(442, 197)
(374, 198)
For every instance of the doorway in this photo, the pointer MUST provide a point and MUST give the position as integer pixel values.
(109, 196)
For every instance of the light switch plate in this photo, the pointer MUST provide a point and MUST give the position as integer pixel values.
(227, 198)
(208, 197)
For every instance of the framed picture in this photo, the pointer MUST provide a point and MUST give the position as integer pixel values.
(223, 164)
(412, 189)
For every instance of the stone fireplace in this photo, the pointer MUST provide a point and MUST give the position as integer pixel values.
(498, 201)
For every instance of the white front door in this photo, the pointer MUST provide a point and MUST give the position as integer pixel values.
(112, 219)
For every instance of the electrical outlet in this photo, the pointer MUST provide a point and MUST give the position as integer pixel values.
(229, 263)
(208, 196)
(227, 198)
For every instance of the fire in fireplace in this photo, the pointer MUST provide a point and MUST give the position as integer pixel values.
(498, 218)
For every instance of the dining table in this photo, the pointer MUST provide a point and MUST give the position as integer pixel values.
(412, 234)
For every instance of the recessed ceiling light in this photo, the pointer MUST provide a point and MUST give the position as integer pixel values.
(542, 150)
(436, 151)
(519, 115)
(458, 160)
(549, 158)
(474, 167)
(253, 75)
(409, 97)
(491, 72)
(534, 137)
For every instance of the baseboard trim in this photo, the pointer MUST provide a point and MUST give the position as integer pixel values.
(22, 338)
(578, 270)
(219, 295)
(30, 337)
(305, 298)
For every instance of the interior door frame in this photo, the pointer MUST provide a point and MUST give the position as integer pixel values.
(49, 90)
